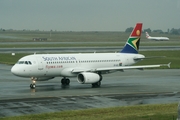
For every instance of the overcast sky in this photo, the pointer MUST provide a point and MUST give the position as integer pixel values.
(89, 15)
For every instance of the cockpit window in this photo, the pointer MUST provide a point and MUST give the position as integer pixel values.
(20, 62)
(24, 62)
(30, 62)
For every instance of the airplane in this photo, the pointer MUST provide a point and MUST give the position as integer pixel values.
(87, 67)
(156, 38)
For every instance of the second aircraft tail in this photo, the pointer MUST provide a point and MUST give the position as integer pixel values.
(147, 35)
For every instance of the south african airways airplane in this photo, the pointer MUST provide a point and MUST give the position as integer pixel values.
(87, 67)
(156, 38)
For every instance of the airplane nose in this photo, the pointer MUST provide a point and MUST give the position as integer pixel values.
(14, 70)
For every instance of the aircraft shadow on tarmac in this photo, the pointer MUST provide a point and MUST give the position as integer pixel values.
(51, 87)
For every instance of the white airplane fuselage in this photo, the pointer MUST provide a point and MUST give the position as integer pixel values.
(47, 66)
(158, 38)
(87, 67)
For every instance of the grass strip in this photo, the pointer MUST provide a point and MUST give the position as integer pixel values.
(84, 44)
(139, 112)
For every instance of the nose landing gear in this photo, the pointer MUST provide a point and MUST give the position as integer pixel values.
(33, 84)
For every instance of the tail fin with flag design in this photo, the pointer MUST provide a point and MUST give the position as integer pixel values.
(132, 44)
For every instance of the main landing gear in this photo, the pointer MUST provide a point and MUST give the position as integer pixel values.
(97, 84)
(65, 81)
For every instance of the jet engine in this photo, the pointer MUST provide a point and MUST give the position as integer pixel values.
(88, 78)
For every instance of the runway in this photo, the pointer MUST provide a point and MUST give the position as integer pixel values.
(131, 87)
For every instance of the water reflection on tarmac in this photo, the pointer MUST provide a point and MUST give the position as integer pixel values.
(131, 87)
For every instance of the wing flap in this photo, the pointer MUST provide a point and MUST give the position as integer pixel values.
(78, 70)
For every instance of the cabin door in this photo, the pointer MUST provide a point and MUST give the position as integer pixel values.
(40, 63)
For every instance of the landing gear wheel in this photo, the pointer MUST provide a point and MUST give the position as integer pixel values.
(100, 77)
(65, 81)
(33, 86)
(97, 84)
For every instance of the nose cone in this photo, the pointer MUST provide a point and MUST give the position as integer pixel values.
(14, 70)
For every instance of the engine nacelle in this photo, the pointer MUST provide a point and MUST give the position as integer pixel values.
(88, 78)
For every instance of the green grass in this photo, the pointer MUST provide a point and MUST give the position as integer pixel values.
(81, 39)
(94, 36)
(140, 112)
(7, 58)
(171, 56)
(40, 45)
(84, 44)
(26, 36)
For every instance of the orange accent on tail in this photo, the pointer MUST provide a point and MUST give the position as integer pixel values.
(137, 30)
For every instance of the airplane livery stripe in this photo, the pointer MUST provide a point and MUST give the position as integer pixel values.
(134, 42)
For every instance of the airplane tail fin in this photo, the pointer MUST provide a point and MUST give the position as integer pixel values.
(147, 35)
(132, 44)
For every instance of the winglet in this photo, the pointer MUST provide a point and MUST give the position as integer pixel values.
(132, 44)
(169, 64)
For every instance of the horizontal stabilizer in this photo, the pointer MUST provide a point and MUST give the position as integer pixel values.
(142, 58)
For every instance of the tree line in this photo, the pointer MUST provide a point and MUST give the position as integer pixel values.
(169, 31)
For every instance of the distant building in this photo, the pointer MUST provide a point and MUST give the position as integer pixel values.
(39, 39)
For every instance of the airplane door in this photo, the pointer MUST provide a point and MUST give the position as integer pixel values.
(78, 63)
(126, 62)
(40, 63)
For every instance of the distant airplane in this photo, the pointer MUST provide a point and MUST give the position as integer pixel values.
(156, 38)
(87, 67)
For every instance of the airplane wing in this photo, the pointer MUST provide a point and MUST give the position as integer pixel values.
(78, 70)
(132, 67)
(118, 68)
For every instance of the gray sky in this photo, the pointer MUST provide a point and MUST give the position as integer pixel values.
(89, 15)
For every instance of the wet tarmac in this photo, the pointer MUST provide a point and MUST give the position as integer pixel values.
(132, 87)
